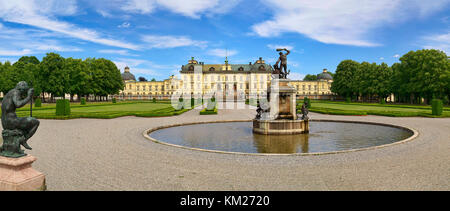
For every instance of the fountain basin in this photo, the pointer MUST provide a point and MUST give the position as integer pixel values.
(325, 137)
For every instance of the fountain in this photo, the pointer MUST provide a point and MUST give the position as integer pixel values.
(278, 129)
(278, 114)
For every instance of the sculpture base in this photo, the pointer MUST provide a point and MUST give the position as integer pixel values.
(16, 174)
(280, 127)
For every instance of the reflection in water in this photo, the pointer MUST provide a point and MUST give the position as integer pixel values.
(281, 143)
(239, 137)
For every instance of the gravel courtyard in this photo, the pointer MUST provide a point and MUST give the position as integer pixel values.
(96, 154)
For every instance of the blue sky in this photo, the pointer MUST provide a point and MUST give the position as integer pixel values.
(155, 37)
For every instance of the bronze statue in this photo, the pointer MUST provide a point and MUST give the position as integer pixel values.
(17, 130)
(283, 62)
(305, 111)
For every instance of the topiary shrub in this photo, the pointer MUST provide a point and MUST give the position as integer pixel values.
(154, 100)
(348, 99)
(114, 100)
(382, 101)
(306, 99)
(436, 107)
(62, 107)
(192, 102)
(38, 103)
(83, 101)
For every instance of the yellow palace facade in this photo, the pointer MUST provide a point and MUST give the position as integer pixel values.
(227, 81)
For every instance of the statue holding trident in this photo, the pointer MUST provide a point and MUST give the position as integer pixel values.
(283, 63)
(17, 130)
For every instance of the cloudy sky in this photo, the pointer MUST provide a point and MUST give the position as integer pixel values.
(156, 37)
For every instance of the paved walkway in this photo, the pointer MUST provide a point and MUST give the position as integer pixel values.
(94, 154)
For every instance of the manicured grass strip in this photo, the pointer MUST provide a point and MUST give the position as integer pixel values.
(109, 111)
(374, 112)
(426, 107)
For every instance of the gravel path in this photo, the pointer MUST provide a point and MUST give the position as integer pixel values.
(95, 154)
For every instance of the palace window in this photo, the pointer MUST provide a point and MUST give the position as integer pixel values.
(191, 68)
(137, 88)
(261, 68)
(212, 69)
(241, 69)
(309, 87)
(303, 88)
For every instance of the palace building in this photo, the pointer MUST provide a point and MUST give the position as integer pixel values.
(230, 81)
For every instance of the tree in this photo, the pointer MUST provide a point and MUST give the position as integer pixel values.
(142, 79)
(344, 82)
(79, 79)
(27, 69)
(153, 79)
(53, 73)
(310, 78)
(423, 74)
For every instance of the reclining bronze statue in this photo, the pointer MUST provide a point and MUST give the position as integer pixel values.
(17, 130)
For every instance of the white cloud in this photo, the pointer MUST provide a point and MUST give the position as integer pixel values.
(42, 14)
(274, 47)
(396, 56)
(345, 22)
(139, 6)
(438, 41)
(119, 52)
(5, 52)
(154, 41)
(191, 8)
(296, 76)
(381, 58)
(222, 52)
(124, 25)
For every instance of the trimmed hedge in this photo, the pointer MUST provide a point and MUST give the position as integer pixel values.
(62, 107)
(83, 101)
(208, 112)
(436, 107)
(114, 100)
(38, 103)
(306, 99)
(154, 100)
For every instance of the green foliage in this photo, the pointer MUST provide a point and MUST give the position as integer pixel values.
(346, 78)
(62, 107)
(154, 100)
(192, 102)
(436, 107)
(83, 101)
(38, 103)
(382, 101)
(306, 99)
(445, 100)
(348, 99)
(309, 77)
(114, 100)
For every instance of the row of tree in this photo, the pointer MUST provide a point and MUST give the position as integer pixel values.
(57, 76)
(422, 74)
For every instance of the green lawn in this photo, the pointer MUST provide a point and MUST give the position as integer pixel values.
(105, 110)
(342, 108)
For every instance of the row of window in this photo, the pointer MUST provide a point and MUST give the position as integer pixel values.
(226, 78)
(144, 87)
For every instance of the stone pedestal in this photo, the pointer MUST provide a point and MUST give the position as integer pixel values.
(16, 174)
(280, 127)
(282, 118)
